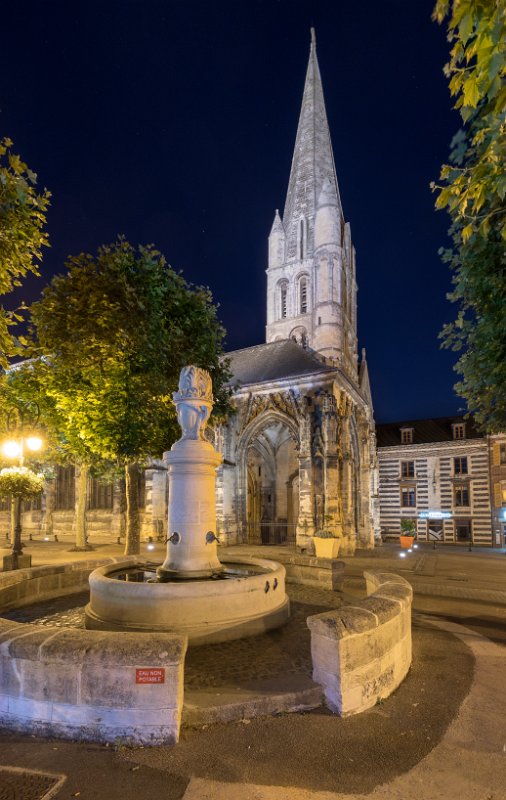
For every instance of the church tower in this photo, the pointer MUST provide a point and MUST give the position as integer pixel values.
(311, 285)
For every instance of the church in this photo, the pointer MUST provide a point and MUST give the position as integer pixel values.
(300, 451)
(299, 454)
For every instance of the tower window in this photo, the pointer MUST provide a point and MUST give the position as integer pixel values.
(284, 294)
(302, 238)
(303, 296)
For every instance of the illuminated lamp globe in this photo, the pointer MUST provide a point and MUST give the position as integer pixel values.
(11, 449)
(34, 443)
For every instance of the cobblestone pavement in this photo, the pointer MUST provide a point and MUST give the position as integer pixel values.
(62, 612)
(285, 651)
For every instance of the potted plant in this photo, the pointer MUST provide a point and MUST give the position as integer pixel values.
(408, 533)
(326, 544)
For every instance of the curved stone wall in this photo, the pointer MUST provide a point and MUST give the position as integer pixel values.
(362, 651)
(87, 685)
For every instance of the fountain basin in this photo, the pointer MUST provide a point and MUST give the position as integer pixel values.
(204, 610)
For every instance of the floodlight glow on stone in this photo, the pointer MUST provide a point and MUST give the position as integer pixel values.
(11, 449)
(34, 443)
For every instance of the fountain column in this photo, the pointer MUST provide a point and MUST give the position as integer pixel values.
(192, 462)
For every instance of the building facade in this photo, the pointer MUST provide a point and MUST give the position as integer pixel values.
(436, 473)
(497, 453)
(299, 453)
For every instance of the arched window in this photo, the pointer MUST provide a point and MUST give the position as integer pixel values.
(303, 295)
(283, 297)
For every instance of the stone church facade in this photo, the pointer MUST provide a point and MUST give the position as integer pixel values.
(300, 452)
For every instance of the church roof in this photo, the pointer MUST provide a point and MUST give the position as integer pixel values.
(273, 361)
(313, 160)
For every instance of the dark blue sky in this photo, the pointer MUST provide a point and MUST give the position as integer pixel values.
(174, 122)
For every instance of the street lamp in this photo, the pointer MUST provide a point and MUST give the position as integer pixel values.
(21, 421)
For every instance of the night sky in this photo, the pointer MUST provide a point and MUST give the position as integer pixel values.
(174, 123)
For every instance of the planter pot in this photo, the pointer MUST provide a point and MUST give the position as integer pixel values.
(406, 541)
(326, 548)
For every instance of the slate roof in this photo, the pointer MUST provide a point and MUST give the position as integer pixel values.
(424, 431)
(273, 361)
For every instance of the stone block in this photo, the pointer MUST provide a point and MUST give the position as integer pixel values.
(47, 583)
(49, 682)
(8, 596)
(382, 606)
(34, 710)
(10, 677)
(357, 619)
(116, 687)
(28, 641)
(328, 624)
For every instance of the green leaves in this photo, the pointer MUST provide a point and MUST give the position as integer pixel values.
(472, 190)
(22, 235)
(116, 330)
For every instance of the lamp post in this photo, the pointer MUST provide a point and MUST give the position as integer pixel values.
(21, 427)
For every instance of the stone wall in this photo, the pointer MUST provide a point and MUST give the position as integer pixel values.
(322, 573)
(362, 652)
(80, 684)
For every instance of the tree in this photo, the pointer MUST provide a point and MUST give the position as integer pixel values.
(22, 235)
(473, 190)
(111, 338)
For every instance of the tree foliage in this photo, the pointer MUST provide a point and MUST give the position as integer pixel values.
(22, 235)
(111, 338)
(473, 190)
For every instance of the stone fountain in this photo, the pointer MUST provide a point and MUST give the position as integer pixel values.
(192, 592)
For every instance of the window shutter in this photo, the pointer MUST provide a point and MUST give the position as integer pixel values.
(497, 495)
(496, 455)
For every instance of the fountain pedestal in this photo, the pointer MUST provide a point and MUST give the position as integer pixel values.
(192, 550)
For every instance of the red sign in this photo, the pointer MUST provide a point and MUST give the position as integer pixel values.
(150, 675)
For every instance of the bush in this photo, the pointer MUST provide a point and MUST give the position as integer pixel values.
(20, 482)
(407, 527)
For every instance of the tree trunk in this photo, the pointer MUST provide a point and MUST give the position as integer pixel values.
(82, 471)
(133, 522)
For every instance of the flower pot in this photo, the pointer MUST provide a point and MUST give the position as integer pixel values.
(406, 541)
(326, 548)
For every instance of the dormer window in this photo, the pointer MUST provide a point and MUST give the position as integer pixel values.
(303, 295)
(459, 430)
(407, 435)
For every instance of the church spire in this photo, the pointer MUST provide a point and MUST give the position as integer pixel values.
(312, 164)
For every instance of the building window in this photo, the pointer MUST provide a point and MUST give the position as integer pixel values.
(459, 430)
(303, 296)
(407, 469)
(461, 496)
(5, 503)
(407, 435)
(502, 453)
(460, 465)
(500, 494)
(408, 496)
(99, 494)
(463, 530)
(65, 496)
(284, 295)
